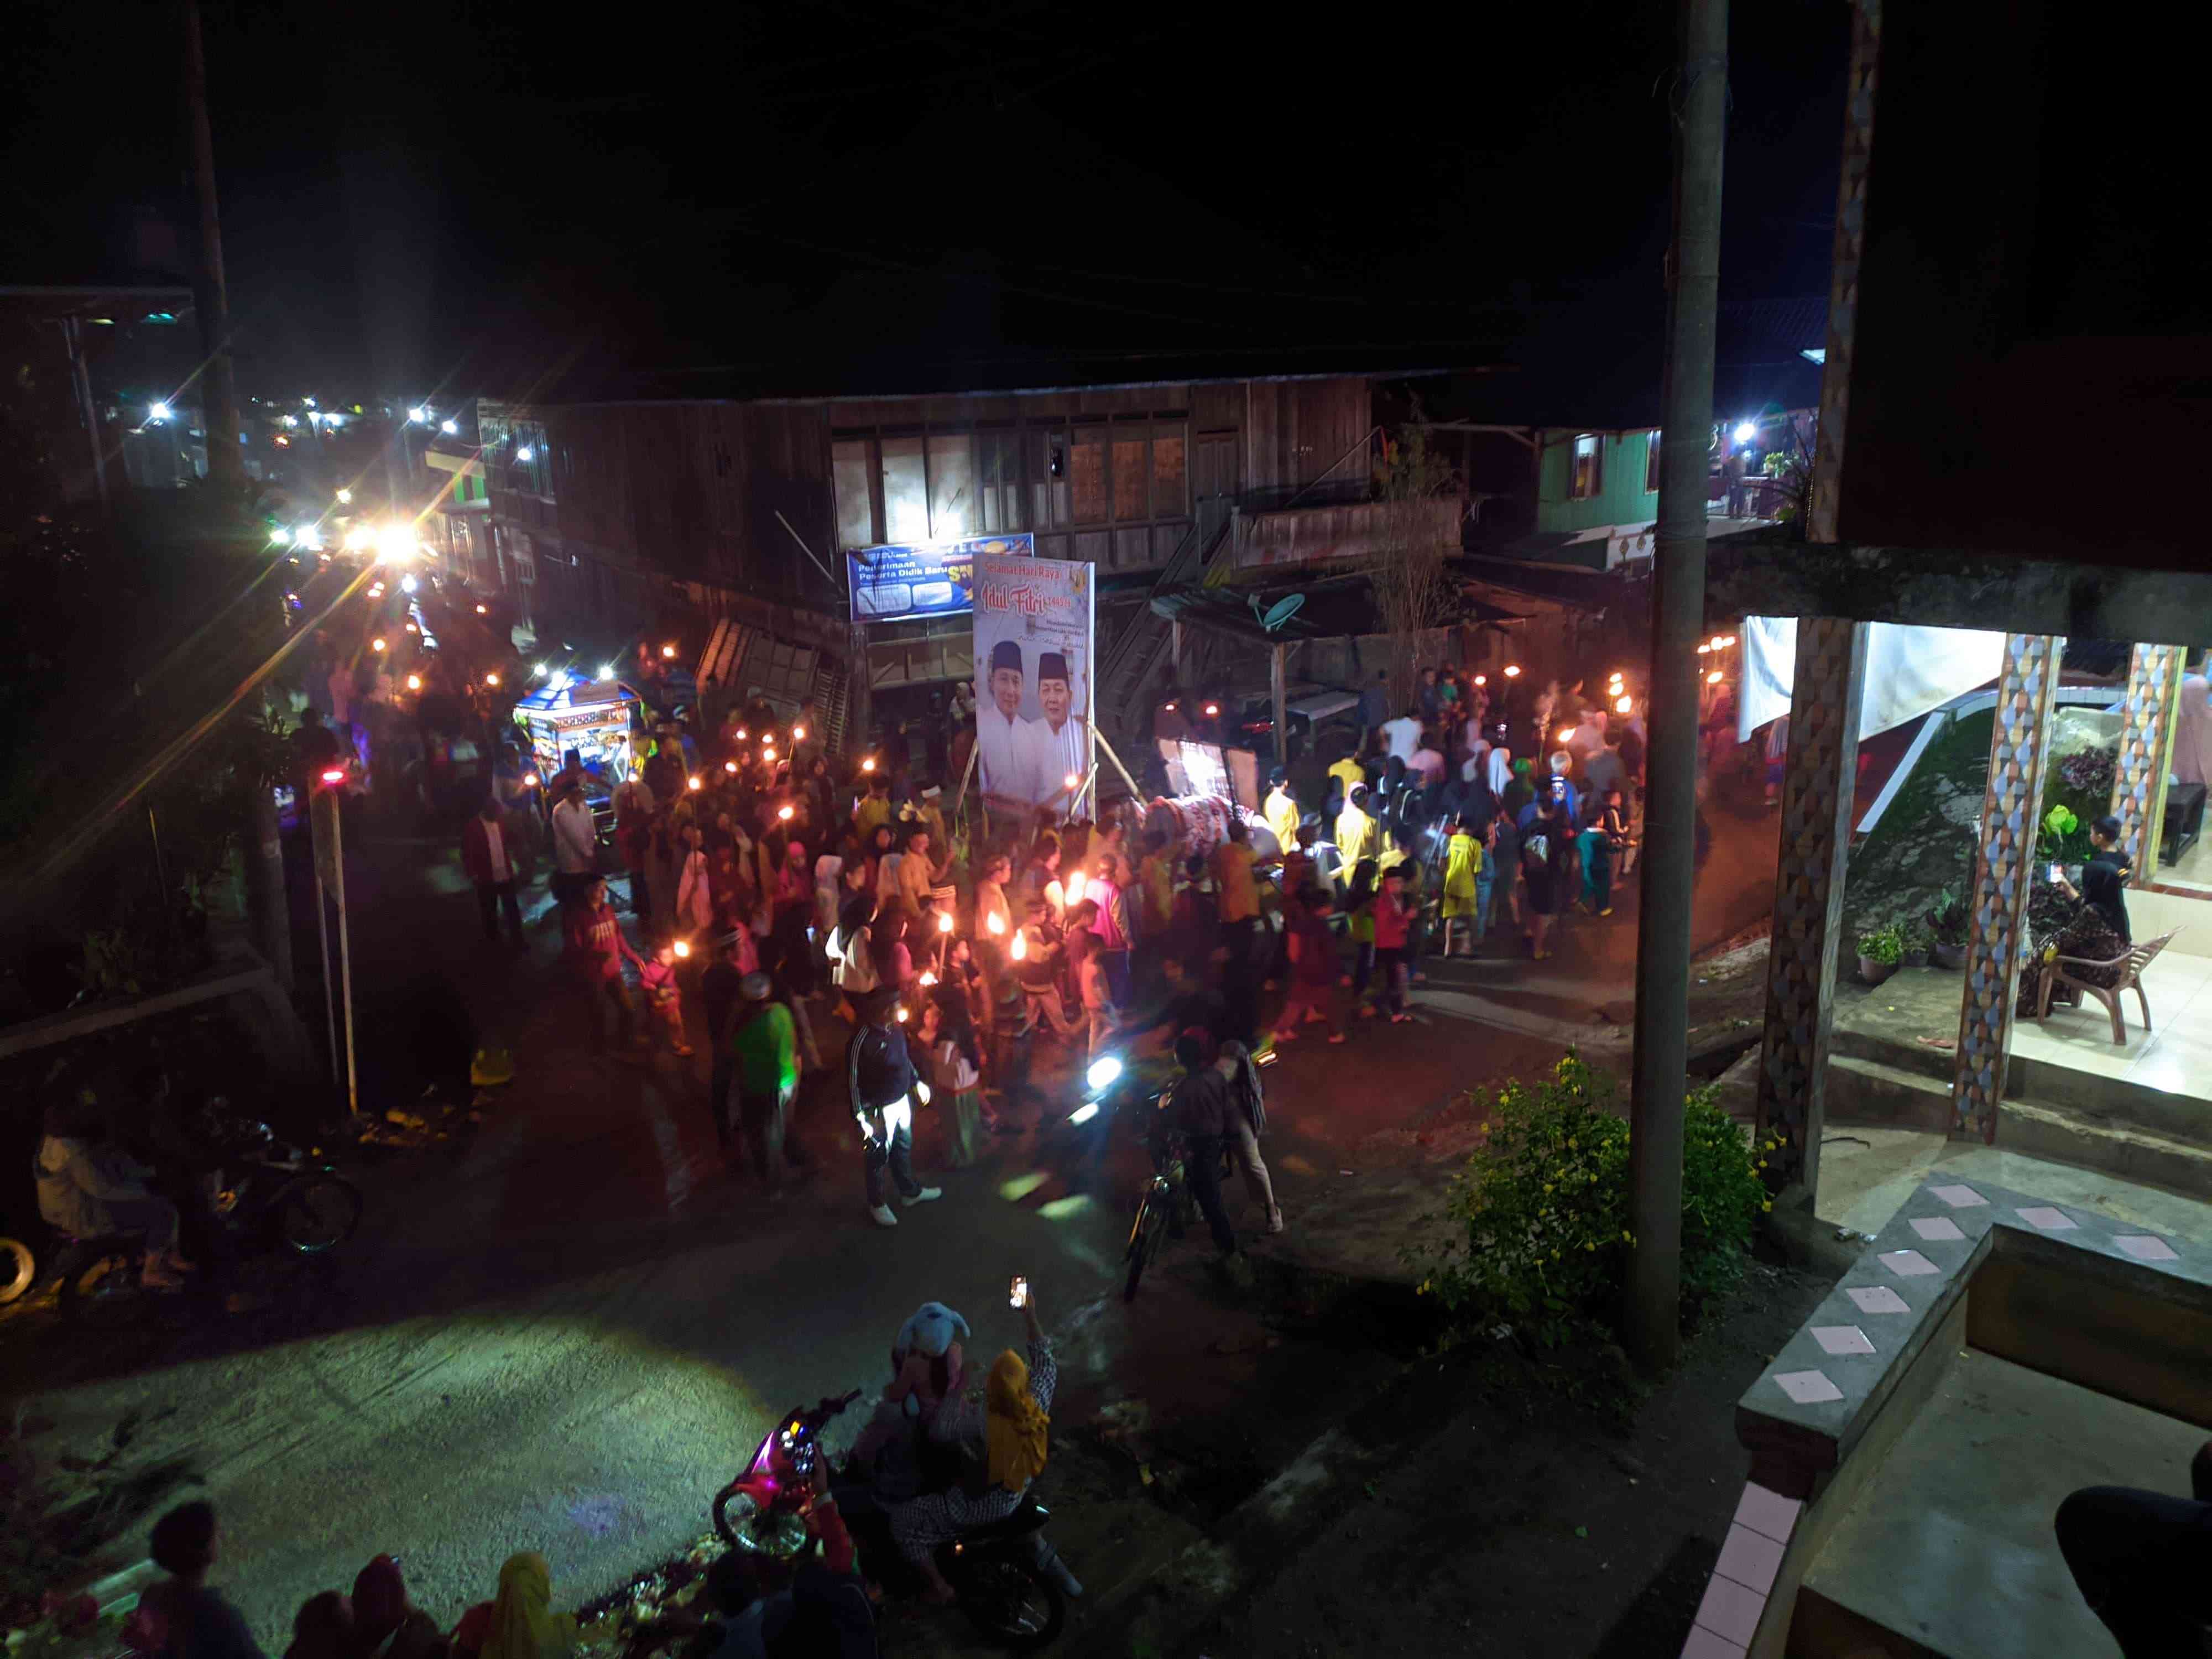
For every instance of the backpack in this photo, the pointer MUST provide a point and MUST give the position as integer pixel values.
(1536, 851)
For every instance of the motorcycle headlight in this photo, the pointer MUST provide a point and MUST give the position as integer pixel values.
(1084, 1113)
(1103, 1071)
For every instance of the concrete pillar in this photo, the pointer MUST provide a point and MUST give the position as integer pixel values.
(1997, 926)
(1817, 785)
(2145, 749)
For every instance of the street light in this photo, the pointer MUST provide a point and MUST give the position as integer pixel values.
(1745, 431)
(449, 428)
(281, 536)
(345, 498)
(158, 412)
(419, 415)
(606, 671)
(395, 544)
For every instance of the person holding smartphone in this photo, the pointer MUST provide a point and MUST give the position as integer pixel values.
(2096, 932)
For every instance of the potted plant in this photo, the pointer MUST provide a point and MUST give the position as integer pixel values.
(1946, 927)
(1879, 951)
(1916, 939)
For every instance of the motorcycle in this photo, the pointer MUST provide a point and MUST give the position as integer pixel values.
(266, 1194)
(995, 1580)
(19, 1270)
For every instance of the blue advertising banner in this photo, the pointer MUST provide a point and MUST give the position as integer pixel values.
(928, 579)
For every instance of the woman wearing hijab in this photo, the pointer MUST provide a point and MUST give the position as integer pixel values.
(520, 1624)
(391, 1628)
(1002, 1435)
(323, 1628)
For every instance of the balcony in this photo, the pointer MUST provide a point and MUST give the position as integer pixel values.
(1339, 532)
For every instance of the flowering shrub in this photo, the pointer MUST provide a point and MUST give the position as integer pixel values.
(1542, 1210)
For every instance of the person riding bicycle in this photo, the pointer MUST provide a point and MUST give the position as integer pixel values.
(1202, 1108)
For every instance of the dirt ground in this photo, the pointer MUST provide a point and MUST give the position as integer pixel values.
(1517, 1513)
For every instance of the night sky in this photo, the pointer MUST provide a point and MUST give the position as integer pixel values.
(472, 197)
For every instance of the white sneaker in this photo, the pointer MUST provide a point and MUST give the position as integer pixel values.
(882, 1216)
(923, 1196)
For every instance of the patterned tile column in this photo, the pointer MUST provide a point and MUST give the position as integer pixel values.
(2146, 744)
(1997, 927)
(1817, 781)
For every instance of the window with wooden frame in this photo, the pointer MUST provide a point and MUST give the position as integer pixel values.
(1652, 461)
(1086, 476)
(952, 484)
(1586, 466)
(906, 489)
(999, 482)
(851, 480)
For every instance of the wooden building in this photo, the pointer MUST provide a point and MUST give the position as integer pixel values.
(602, 515)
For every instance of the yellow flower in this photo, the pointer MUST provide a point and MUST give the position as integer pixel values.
(1762, 1163)
(1768, 1205)
(1625, 1238)
(1547, 1186)
(1591, 1245)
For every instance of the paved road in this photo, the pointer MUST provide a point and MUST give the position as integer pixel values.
(566, 1336)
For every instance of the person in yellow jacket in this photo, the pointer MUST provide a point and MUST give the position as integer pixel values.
(1462, 869)
(1346, 772)
(1355, 831)
(1279, 812)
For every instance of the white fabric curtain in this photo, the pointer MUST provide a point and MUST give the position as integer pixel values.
(1909, 670)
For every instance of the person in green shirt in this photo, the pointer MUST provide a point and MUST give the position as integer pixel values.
(765, 1056)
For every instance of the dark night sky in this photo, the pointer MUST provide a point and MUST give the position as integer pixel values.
(478, 196)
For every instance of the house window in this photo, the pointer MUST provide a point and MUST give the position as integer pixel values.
(952, 484)
(1086, 474)
(1652, 461)
(1130, 473)
(849, 474)
(906, 491)
(999, 482)
(1586, 475)
(1048, 453)
(1170, 499)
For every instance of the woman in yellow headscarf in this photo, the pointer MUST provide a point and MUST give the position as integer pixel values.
(1003, 1434)
(522, 1624)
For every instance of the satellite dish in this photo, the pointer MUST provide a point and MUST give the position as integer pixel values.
(1280, 612)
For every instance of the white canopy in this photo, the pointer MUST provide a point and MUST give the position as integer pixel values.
(1909, 670)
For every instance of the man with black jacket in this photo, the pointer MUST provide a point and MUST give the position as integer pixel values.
(881, 1077)
(1202, 1107)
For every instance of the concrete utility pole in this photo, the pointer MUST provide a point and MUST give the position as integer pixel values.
(1651, 1320)
(218, 395)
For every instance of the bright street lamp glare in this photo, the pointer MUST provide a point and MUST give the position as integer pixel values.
(524, 453)
(419, 415)
(449, 428)
(395, 544)
(345, 498)
(606, 671)
(158, 412)
(408, 584)
(281, 536)
(1745, 432)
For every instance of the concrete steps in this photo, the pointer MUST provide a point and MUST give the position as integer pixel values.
(2091, 1139)
(1866, 1090)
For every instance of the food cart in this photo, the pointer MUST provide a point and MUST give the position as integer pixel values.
(595, 719)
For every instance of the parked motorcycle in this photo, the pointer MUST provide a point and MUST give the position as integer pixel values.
(19, 1269)
(992, 1569)
(267, 1194)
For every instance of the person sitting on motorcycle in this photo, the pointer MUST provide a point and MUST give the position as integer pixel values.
(927, 1368)
(817, 1610)
(1002, 1430)
(89, 1189)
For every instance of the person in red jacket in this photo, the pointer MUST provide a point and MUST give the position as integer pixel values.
(596, 948)
(492, 855)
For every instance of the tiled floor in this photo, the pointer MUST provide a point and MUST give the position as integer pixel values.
(2174, 1056)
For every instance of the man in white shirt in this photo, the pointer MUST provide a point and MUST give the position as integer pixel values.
(1403, 735)
(575, 844)
(1002, 754)
(1059, 743)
